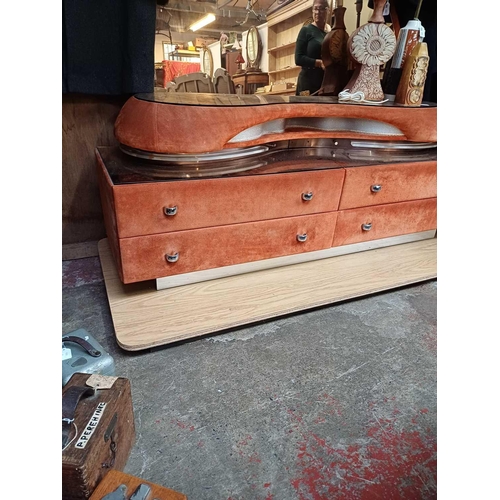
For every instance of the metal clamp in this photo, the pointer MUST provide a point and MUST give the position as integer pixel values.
(112, 447)
(170, 210)
(367, 226)
(375, 188)
(111, 428)
(302, 237)
(307, 196)
(173, 257)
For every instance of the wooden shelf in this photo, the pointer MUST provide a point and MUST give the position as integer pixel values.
(282, 70)
(283, 28)
(294, 8)
(281, 47)
(290, 91)
(185, 53)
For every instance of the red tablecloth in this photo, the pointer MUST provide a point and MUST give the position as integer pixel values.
(172, 69)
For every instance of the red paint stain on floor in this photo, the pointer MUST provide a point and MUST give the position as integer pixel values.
(334, 405)
(242, 449)
(183, 425)
(244, 441)
(391, 464)
(254, 458)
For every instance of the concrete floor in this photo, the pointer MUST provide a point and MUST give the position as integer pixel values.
(335, 403)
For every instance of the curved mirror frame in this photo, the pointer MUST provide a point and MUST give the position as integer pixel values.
(253, 48)
(207, 62)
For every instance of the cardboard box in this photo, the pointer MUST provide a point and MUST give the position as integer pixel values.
(200, 42)
(278, 87)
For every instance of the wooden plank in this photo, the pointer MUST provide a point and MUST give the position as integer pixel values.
(144, 317)
(281, 47)
(115, 478)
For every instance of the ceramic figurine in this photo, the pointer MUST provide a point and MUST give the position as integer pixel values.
(411, 86)
(370, 45)
(408, 37)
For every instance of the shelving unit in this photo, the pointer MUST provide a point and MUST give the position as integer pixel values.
(283, 28)
(185, 55)
(281, 47)
(284, 70)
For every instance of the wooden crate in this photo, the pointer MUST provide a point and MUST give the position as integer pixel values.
(102, 435)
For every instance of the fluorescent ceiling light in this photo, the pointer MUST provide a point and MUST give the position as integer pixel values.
(209, 18)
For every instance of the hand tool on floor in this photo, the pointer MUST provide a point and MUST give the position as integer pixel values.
(141, 493)
(118, 494)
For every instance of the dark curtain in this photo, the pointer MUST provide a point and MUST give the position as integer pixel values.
(428, 17)
(405, 10)
(108, 46)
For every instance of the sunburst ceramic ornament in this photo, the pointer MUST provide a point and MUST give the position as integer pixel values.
(370, 45)
(373, 44)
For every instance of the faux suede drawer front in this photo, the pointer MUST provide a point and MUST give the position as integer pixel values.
(396, 219)
(203, 203)
(378, 185)
(145, 257)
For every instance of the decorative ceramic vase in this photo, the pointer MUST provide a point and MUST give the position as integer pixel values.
(370, 45)
(335, 56)
(408, 37)
(411, 86)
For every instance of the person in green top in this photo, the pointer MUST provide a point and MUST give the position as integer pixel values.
(308, 50)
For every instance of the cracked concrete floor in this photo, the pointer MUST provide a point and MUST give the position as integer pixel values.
(334, 403)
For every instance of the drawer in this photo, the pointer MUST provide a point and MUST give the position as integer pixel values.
(199, 203)
(144, 257)
(378, 185)
(384, 221)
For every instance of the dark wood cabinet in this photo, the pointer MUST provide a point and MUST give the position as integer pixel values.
(250, 82)
(230, 62)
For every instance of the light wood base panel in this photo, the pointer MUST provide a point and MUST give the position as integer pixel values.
(144, 317)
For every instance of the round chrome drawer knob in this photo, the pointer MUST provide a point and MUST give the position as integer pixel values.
(367, 226)
(307, 196)
(376, 188)
(301, 238)
(172, 258)
(170, 210)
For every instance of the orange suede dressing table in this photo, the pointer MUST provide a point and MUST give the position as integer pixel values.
(223, 210)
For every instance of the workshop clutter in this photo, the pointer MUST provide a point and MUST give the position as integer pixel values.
(82, 353)
(98, 431)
